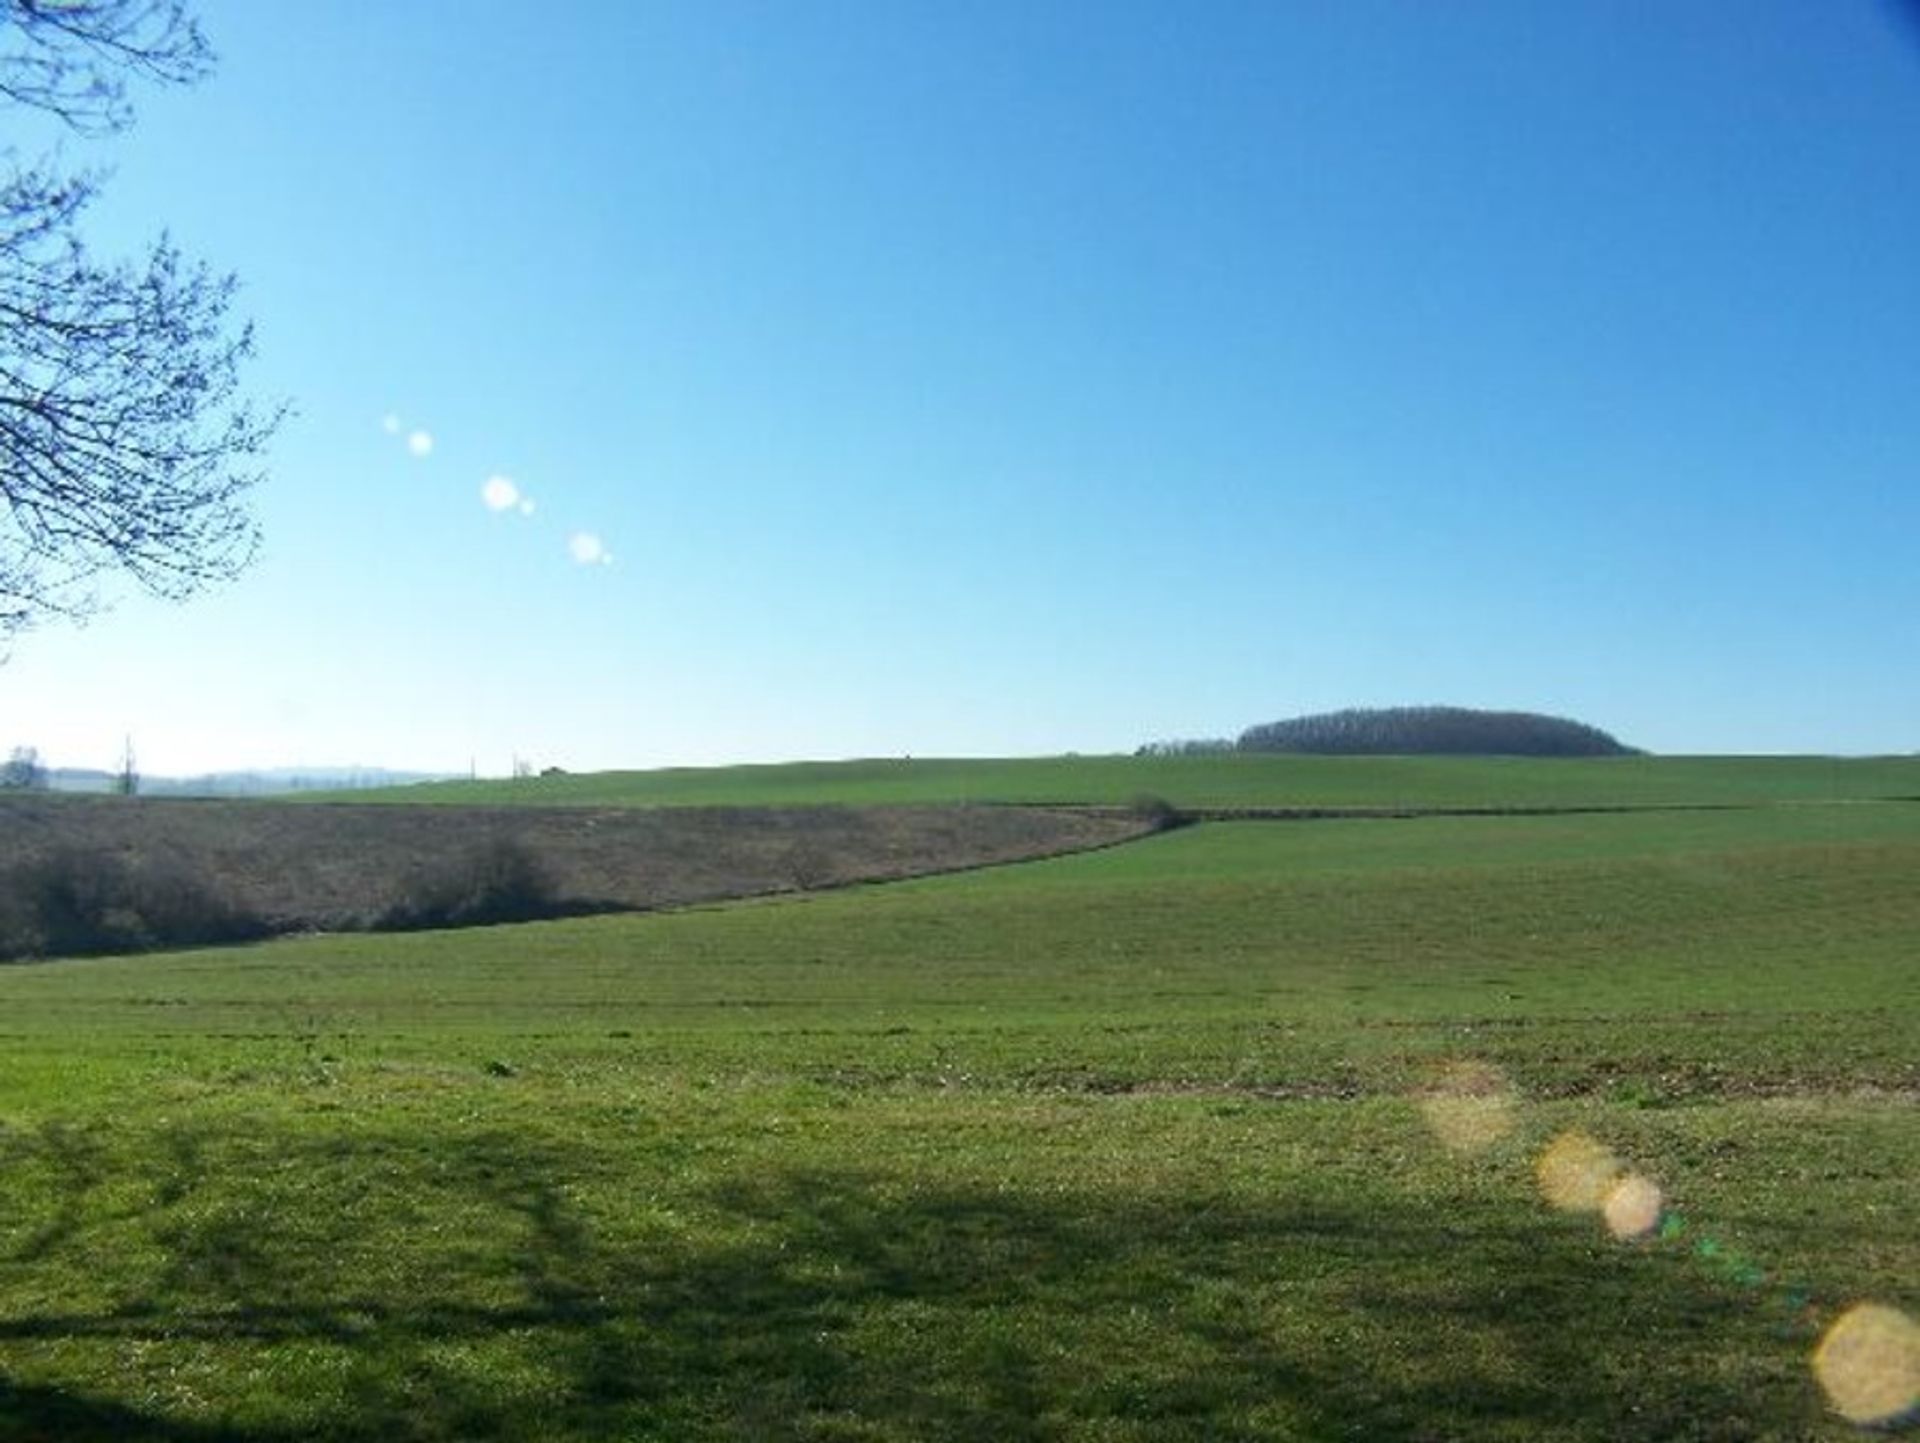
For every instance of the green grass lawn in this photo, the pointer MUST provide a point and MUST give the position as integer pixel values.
(1216, 781)
(1126, 1145)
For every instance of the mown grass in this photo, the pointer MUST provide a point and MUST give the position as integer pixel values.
(1214, 781)
(1118, 1146)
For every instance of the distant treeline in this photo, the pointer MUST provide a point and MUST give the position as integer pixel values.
(224, 784)
(1412, 731)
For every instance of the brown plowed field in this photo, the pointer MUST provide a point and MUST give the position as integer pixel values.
(337, 866)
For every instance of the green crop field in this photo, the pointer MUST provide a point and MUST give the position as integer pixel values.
(1248, 1130)
(1217, 781)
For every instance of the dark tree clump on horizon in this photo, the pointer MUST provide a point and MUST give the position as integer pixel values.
(124, 447)
(1432, 731)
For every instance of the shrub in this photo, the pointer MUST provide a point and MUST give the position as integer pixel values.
(497, 880)
(1186, 747)
(1157, 812)
(809, 865)
(70, 903)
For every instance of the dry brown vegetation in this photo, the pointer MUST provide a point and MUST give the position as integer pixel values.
(339, 867)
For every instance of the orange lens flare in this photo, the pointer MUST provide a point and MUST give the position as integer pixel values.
(1470, 1107)
(1633, 1207)
(1869, 1364)
(1576, 1173)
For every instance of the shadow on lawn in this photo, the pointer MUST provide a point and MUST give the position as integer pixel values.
(849, 1306)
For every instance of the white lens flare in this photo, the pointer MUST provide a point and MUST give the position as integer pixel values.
(1869, 1365)
(420, 443)
(390, 423)
(526, 506)
(498, 493)
(586, 549)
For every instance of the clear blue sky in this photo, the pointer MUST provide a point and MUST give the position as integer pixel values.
(1027, 377)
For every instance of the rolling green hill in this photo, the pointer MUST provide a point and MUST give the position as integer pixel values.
(1217, 781)
(1242, 1132)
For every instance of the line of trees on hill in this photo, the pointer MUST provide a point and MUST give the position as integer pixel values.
(1412, 731)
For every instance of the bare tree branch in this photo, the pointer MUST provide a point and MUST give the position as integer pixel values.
(72, 58)
(124, 444)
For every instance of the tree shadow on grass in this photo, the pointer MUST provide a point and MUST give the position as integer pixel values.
(816, 1304)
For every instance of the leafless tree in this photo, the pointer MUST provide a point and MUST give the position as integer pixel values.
(125, 446)
(22, 772)
(126, 781)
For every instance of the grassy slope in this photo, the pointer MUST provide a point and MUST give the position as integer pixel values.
(1118, 1146)
(1225, 781)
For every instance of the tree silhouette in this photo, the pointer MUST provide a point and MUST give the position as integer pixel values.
(1432, 730)
(23, 772)
(124, 445)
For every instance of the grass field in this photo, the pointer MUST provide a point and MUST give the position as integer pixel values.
(1163, 1142)
(1217, 781)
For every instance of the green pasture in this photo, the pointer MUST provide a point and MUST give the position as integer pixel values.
(1215, 781)
(1135, 1144)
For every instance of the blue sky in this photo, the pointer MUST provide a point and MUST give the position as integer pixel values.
(1020, 378)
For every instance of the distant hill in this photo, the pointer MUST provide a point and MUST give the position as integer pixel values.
(276, 781)
(1432, 731)
(1230, 781)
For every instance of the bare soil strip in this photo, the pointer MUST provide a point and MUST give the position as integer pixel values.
(340, 866)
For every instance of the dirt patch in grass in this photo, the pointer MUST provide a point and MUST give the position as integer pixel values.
(339, 867)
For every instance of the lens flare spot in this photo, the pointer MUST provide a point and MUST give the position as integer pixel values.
(390, 423)
(1633, 1207)
(420, 443)
(586, 549)
(1469, 1106)
(1869, 1365)
(1576, 1173)
(526, 506)
(499, 493)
